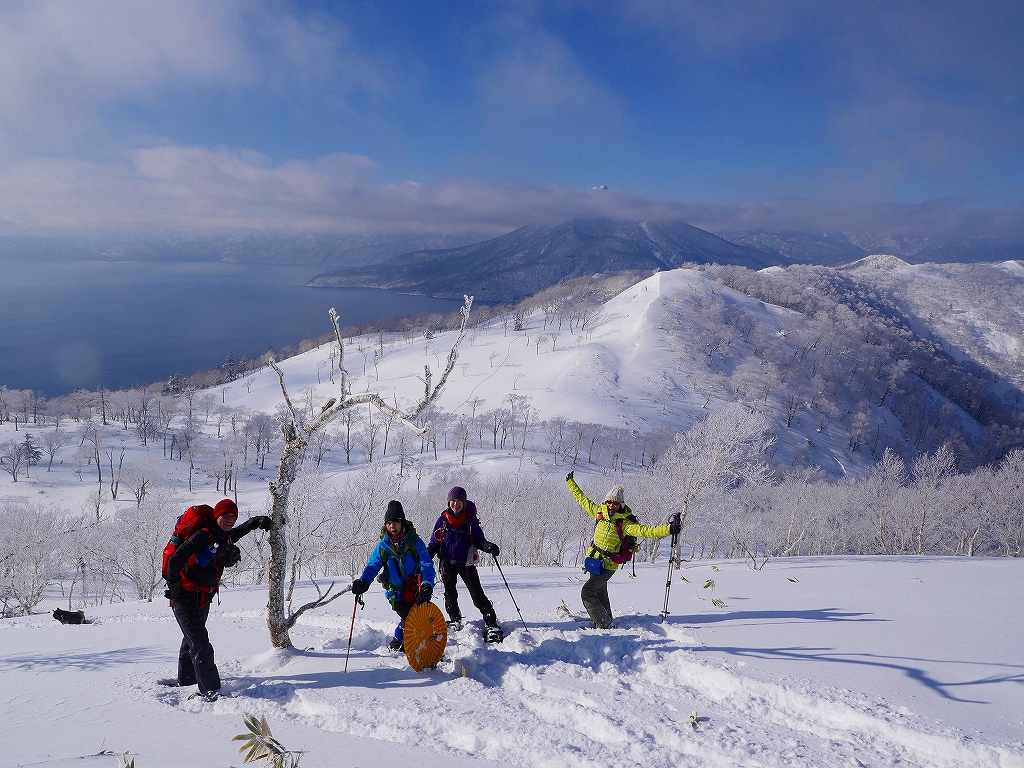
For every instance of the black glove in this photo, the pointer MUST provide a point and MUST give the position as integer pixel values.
(491, 548)
(673, 524)
(263, 522)
(232, 555)
(568, 477)
(359, 586)
(424, 593)
(433, 549)
(174, 590)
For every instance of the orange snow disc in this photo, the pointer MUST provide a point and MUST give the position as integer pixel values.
(425, 635)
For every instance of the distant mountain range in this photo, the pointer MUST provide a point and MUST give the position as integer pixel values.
(534, 257)
(232, 248)
(835, 248)
(510, 266)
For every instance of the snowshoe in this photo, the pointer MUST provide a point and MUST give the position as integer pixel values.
(210, 696)
(396, 645)
(493, 634)
(455, 625)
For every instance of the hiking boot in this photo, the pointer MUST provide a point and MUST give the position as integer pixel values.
(454, 625)
(396, 645)
(493, 634)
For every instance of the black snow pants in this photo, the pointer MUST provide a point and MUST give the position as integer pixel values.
(449, 577)
(195, 657)
(595, 599)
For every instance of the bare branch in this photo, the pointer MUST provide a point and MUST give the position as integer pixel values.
(453, 355)
(321, 600)
(374, 399)
(284, 391)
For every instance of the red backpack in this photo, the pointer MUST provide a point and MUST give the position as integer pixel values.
(195, 518)
(627, 544)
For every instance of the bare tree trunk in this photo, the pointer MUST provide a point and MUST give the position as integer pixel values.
(280, 618)
(291, 457)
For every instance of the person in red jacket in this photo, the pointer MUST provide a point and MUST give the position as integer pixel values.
(193, 572)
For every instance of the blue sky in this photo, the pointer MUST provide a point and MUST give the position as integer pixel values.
(902, 117)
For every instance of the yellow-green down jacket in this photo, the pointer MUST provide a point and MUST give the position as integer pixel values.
(606, 538)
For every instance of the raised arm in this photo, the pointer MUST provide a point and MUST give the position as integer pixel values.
(592, 508)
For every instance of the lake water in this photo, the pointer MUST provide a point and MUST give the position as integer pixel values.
(86, 324)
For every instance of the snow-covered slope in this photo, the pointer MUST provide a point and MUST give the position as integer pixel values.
(625, 370)
(807, 662)
(976, 311)
(810, 663)
(606, 375)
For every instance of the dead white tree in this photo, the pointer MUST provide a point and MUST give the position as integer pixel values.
(723, 449)
(297, 433)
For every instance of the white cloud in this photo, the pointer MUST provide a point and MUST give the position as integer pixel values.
(192, 188)
(530, 72)
(536, 72)
(59, 60)
(196, 189)
(64, 64)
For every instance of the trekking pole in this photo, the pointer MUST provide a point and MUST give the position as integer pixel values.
(672, 555)
(351, 629)
(511, 595)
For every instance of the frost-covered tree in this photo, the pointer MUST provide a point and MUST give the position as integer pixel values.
(725, 448)
(1009, 496)
(30, 558)
(880, 500)
(969, 508)
(53, 442)
(141, 476)
(141, 534)
(929, 472)
(12, 458)
(296, 435)
(310, 524)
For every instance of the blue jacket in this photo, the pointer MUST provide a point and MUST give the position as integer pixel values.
(457, 545)
(399, 560)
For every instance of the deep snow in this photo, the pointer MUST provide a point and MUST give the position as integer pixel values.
(811, 662)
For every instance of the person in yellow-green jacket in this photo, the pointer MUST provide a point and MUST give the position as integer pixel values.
(615, 535)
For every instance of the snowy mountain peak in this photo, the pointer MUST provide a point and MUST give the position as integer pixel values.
(882, 261)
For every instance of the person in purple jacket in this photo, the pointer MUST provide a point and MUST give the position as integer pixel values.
(456, 539)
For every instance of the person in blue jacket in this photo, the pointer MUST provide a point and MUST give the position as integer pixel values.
(456, 539)
(406, 568)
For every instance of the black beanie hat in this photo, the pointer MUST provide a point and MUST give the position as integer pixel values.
(394, 512)
(458, 493)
